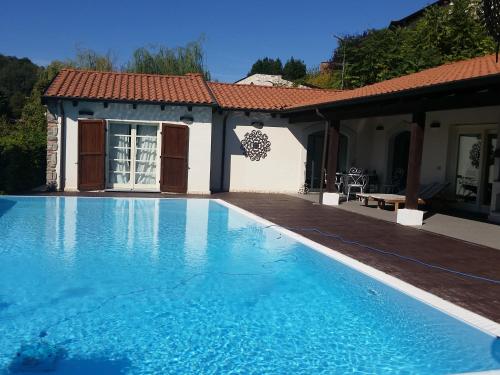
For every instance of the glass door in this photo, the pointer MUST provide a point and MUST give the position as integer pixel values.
(490, 147)
(119, 156)
(146, 156)
(132, 157)
(468, 168)
(474, 168)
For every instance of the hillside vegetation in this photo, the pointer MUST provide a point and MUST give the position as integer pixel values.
(443, 34)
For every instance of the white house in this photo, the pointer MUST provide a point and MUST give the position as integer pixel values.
(136, 132)
(267, 80)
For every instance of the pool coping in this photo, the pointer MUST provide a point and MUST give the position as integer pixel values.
(466, 316)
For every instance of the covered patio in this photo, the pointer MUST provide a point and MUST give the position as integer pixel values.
(438, 127)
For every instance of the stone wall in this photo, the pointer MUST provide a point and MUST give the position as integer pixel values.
(52, 146)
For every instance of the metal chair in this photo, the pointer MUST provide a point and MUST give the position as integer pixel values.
(355, 180)
(354, 170)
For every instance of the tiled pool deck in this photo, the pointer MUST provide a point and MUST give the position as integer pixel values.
(476, 295)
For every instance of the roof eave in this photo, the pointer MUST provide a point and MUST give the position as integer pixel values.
(476, 82)
(47, 98)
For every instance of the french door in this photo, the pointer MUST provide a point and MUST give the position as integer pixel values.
(475, 147)
(132, 158)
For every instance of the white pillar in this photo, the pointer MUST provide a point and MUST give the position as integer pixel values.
(410, 217)
(331, 199)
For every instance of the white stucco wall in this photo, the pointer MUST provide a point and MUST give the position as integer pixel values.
(283, 170)
(199, 136)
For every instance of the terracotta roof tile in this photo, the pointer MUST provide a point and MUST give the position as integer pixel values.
(80, 84)
(253, 97)
(448, 73)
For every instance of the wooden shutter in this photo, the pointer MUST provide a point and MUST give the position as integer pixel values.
(91, 154)
(174, 158)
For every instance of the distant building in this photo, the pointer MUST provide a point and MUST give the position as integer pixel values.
(325, 66)
(267, 80)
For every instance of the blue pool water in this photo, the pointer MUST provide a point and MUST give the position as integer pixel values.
(147, 286)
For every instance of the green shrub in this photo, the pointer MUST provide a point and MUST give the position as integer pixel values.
(23, 145)
(22, 162)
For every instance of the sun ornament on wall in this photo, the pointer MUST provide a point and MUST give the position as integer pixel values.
(255, 145)
(475, 154)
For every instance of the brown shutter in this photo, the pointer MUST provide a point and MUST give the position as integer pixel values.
(174, 158)
(91, 154)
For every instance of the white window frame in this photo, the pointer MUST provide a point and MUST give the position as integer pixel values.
(132, 186)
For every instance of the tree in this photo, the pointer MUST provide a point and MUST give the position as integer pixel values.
(89, 59)
(267, 66)
(17, 77)
(23, 146)
(371, 57)
(447, 34)
(4, 104)
(165, 60)
(444, 34)
(294, 69)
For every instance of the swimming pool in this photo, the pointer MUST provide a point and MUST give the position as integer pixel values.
(157, 286)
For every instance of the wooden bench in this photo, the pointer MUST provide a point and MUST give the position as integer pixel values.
(382, 199)
(427, 193)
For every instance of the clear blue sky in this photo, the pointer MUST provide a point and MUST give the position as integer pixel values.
(236, 32)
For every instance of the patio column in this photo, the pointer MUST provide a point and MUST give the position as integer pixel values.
(333, 153)
(410, 215)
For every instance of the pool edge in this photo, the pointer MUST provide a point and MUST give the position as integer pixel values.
(460, 313)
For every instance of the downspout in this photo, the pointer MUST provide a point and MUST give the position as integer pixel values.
(223, 159)
(323, 158)
(63, 147)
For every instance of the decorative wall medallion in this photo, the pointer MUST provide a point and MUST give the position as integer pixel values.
(475, 154)
(255, 145)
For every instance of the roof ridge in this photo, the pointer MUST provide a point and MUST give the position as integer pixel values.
(187, 75)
